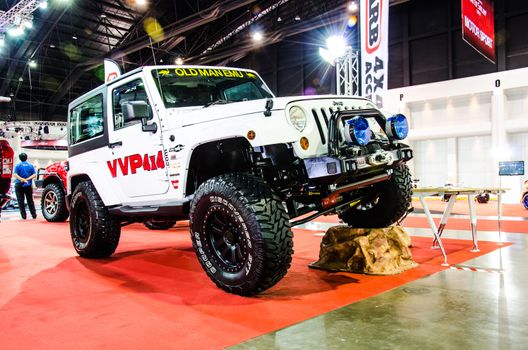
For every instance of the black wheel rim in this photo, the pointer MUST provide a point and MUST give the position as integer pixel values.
(227, 240)
(82, 222)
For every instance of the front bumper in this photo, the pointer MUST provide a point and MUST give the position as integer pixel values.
(331, 169)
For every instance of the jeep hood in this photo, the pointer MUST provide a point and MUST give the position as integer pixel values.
(199, 115)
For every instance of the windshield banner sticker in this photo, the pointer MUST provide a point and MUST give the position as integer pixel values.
(204, 72)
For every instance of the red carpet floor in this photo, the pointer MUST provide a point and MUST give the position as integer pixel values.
(152, 294)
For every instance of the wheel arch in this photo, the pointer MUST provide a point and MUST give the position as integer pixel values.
(215, 158)
(52, 179)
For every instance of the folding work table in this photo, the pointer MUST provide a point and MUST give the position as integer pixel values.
(470, 192)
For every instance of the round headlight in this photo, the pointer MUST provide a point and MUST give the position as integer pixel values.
(397, 127)
(297, 118)
(357, 131)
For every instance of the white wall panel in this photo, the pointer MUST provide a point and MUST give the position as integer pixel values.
(430, 162)
(476, 167)
(517, 103)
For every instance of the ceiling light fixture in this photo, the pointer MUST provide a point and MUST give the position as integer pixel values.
(297, 18)
(16, 31)
(43, 4)
(353, 6)
(178, 61)
(74, 37)
(257, 36)
(28, 22)
(32, 64)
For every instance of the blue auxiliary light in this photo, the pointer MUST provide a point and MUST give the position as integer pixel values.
(397, 127)
(357, 131)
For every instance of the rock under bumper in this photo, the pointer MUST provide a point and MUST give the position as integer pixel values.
(375, 251)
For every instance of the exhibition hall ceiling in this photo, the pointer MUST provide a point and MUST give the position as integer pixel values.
(60, 57)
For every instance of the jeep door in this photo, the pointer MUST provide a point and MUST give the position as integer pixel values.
(138, 163)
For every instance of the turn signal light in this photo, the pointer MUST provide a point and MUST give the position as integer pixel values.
(305, 144)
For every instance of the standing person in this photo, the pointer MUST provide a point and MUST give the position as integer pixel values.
(24, 174)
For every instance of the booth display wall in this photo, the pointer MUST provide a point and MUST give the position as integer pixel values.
(478, 121)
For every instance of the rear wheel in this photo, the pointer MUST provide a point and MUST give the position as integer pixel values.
(525, 200)
(241, 233)
(159, 225)
(53, 203)
(94, 232)
(390, 202)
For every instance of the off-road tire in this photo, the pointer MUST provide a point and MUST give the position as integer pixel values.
(242, 214)
(159, 225)
(94, 232)
(53, 203)
(392, 202)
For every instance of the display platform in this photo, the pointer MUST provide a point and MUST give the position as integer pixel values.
(153, 292)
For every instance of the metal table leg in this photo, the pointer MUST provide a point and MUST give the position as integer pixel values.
(499, 217)
(433, 228)
(473, 217)
(445, 216)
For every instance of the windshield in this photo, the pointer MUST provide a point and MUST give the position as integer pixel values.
(185, 87)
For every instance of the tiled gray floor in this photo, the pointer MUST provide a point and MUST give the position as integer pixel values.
(448, 310)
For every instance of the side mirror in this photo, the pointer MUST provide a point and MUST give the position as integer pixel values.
(139, 110)
(136, 110)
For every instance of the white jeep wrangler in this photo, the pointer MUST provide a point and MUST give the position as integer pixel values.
(214, 145)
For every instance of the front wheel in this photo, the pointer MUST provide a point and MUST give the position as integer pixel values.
(94, 232)
(389, 203)
(241, 233)
(53, 203)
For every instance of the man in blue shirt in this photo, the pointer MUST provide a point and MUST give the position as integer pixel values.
(24, 174)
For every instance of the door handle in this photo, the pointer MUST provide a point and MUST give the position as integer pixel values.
(115, 144)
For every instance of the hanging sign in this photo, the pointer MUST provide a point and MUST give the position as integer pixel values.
(478, 26)
(374, 22)
(111, 69)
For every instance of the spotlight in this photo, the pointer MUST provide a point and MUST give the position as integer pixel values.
(28, 22)
(178, 61)
(32, 64)
(335, 48)
(257, 36)
(16, 31)
(336, 45)
(352, 6)
(43, 4)
(297, 18)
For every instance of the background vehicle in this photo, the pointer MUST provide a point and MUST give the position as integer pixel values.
(524, 198)
(214, 145)
(6, 171)
(53, 201)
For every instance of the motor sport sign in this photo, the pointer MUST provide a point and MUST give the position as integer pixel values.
(374, 22)
(478, 26)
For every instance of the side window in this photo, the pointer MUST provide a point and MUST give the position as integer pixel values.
(86, 120)
(243, 92)
(131, 91)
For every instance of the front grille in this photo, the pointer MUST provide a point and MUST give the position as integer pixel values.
(322, 118)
